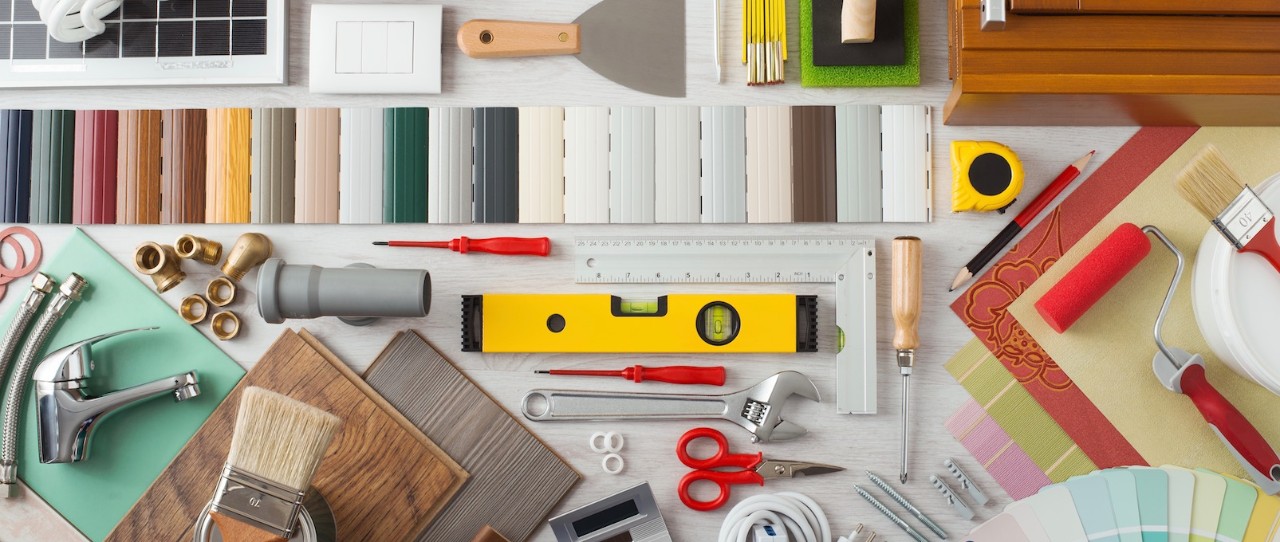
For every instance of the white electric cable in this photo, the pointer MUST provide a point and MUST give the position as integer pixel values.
(801, 517)
(72, 21)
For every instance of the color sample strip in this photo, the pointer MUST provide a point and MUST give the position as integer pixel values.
(769, 164)
(449, 165)
(1153, 502)
(1264, 525)
(227, 165)
(1182, 490)
(1093, 504)
(541, 163)
(1237, 508)
(1122, 486)
(586, 165)
(631, 167)
(53, 141)
(1000, 528)
(1206, 505)
(724, 164)
(496, 172)
(1049, 506)
(95, 167)
(993, 387)
(906, 163)
(1026, 517)
(813, 163)
(138, 168)
(999, 455)
(272, 164)
(361, 175)
(404, 163)
(183, 165)
(676, 157)
(15, 165)
(858, 184)
(316, 188)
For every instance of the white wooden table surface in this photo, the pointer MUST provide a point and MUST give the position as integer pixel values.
(858, 443)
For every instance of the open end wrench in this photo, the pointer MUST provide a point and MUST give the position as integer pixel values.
(757, 409)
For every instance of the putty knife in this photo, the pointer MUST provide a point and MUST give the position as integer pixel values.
(635, 43)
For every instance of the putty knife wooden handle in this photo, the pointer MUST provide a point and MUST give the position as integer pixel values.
(488, 38)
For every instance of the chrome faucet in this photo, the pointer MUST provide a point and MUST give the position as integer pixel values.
(66, 413)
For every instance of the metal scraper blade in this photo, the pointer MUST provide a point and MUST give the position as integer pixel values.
(636, 43)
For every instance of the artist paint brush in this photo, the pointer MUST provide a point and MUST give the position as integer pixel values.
(509, 246)
(672, 374)
(1210, 185)
(1020, 222)
(276, 448)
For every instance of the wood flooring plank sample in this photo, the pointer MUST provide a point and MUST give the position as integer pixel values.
(383, 478)
(515, 479)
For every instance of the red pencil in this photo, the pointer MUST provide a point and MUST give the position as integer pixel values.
(996, 246)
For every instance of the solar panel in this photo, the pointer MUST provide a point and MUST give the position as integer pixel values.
(150, 42)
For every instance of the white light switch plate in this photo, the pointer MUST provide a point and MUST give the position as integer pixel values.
(375, 48)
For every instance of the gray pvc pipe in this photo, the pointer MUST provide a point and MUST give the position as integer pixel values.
(356, 294)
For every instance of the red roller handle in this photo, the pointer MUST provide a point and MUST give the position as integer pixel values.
(1234, 428)
(511, 246)
(677, 374)
(1264, 244)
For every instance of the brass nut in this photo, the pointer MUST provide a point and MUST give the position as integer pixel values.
(160, 262)
(221, 291)
(199, 249)
(250, 250)
(194, 309)
(226, 325)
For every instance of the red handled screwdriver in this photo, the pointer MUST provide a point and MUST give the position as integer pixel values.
(674, 374)
(511, 246)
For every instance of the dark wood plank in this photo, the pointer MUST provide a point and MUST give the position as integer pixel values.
(515, 478)
(384, 479)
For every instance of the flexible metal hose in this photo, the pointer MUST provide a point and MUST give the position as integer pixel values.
(68, 293)
(41, 284)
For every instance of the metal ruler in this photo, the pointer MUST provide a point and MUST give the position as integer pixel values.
(847, 262)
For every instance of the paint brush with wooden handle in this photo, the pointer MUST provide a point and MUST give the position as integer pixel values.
(277, 445)
(907, 256)
(1210, 185)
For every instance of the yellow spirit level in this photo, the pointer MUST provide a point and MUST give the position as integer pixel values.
(679, 323)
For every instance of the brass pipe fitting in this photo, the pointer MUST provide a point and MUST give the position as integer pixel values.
(221, 291)
(226, 325)
(250, 250)
(160, 262)
(199, 249)
(194, 309)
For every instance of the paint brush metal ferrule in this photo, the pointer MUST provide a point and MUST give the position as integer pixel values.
(1243, 219)
(254, 501)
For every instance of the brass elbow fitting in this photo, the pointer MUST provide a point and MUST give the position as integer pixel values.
(159, 262)
(199, 249)
(250, 250)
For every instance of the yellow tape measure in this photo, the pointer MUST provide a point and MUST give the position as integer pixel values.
(681, 323)
(986, 176)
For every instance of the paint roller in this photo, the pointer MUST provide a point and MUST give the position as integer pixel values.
(1177, 370)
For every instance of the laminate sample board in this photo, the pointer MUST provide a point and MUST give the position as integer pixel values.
(383, 479)
(515, 479)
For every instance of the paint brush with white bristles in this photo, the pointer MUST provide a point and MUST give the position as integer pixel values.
(276, 448)
(1210, 185)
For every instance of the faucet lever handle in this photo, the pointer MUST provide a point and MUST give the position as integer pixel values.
(74, 361)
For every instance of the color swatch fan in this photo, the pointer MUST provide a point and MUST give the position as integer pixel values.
(150, 42)
(1139, 504)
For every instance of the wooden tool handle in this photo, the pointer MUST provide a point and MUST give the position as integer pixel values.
(858, 21)
(237, 531)
(907, 256)
(487, 38)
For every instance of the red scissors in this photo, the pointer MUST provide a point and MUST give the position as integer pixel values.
(755, 468)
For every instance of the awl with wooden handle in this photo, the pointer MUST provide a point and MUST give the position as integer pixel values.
(907, 256)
